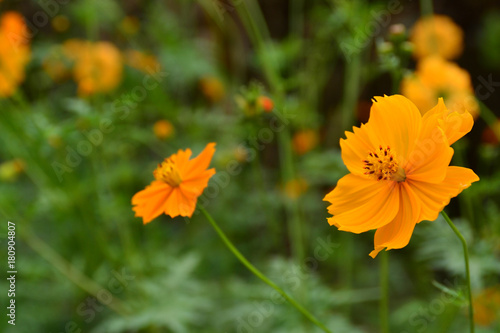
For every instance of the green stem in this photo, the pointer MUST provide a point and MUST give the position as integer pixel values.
(426, 7)
(384, 290)
(427, 11)
(396, 80)
(467, 269)
(292, 209)
(296, 18)
(257, 273)
(489, 117)
(352, 83)
(466, 204)
(268, 211)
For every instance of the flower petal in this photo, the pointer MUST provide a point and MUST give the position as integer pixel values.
(200, 163)
(181, 159)
(395, 121)
(195, 186)
(430, 157)
(397, 234)
(149, 202)
(434, 197)
(360, 204)
(355, 149)
(455, 124)
(179, 203)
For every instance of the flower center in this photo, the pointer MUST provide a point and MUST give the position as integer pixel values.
(381, 165)
(168, 172)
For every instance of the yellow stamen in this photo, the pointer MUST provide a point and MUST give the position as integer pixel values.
(168, 173)
(381, 165)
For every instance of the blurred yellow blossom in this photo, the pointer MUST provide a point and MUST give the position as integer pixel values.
(437, 35)
(305, 140)
(130, 25)
(141, 61)
(487, 306)
(10, 170)
(55, 140)
(163, 129)
(74, 47)
(14, 52)
(60, 23)
(241, 154)
(294, 188)
(436, 77)
(98, 66)
(212, 88)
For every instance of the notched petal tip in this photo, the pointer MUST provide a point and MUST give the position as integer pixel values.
(376, 251)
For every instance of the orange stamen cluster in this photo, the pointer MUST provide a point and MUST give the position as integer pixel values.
(168, 173)
(381, 165)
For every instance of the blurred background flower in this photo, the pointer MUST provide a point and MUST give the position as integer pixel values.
(14, 52)
(437, 35)
(436, 77)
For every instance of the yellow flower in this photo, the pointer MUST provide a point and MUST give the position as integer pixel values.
(141, 61)
(10, 170)
(212, 88)
(487, 306)
(163, 129)
(14, 52)
(436, 77)
(437, 35)
(98, 66)
(179, 182)
(60, 23)
(305, 140)
(130, 25)
(399, 170)
(73, 48)
(294, 188)
(241, 154)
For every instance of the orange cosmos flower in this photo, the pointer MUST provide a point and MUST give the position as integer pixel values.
(437, 35)
(436, 77)
(178, 183)
(163, 129)
(212, 88)
(400, 174)
(14, 52)
(304, 141)
(98, 66)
